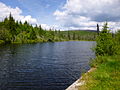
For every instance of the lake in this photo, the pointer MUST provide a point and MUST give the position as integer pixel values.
(43, 66)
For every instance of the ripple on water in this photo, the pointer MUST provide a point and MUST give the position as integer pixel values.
(43, 66)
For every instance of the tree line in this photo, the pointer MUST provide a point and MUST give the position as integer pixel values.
(12, 31)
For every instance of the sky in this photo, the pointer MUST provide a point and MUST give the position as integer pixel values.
(64, 14)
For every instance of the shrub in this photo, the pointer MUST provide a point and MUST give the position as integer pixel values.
(106, 44)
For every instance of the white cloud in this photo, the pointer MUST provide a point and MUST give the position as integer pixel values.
(16, 12)
(87, 13)
(47, 27)
(29, 19)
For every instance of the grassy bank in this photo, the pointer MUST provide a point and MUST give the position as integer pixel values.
(106, 75)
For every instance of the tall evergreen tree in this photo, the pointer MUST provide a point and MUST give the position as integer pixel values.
(74, 36)
(98, 29)
(12, 27)
(69, 35)
(32, 34)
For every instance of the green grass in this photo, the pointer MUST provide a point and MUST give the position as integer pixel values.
(106, 76)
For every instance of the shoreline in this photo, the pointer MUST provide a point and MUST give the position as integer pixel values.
(79, 82)
(3, 43)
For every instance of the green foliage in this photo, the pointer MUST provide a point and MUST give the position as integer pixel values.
(98, 60)
(106, 75)
(106, 44)
(117, 37)
(1, 42)
(18, 32)
(5, 35)
(32, 34)
(12, 27)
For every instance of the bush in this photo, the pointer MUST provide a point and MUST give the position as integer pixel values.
(106, 43)
(1, 42)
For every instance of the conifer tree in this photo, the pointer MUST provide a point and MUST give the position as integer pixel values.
(98, 29)
(69, 35)
(73, 36)
(32, 34)
(12, 27)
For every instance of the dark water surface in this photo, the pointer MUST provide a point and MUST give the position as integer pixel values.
(43, 66)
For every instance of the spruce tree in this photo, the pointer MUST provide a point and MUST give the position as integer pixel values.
(69, 35)
(98, 29)
(32, 34)
(11, 27)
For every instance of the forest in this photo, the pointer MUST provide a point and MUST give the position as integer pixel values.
(12, 31)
